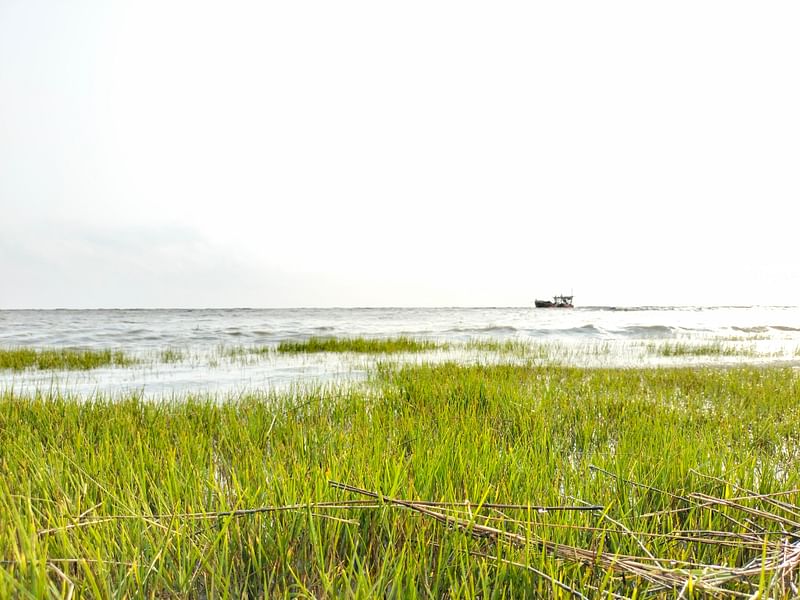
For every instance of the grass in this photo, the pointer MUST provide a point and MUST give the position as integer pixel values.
(709, 349)
(96, 497)
(171, 355)
(18, 359)
(358, 345)
(244, 352)
(753, 337)
(517, 348)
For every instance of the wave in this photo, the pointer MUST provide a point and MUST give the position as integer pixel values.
(588, 329)
(488, 329)
(673, 308)
(627, 308)
(147, 329)
(648, 330)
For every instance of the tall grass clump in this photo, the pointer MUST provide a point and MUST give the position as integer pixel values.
(171, 355)
(716, 348)
(358, 345)
(19, 359)
(241, 352)
(206, 499)
(517, 348)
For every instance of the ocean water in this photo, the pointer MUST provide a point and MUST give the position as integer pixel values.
(214, 346)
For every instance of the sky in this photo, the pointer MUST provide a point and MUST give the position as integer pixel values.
(421, 153)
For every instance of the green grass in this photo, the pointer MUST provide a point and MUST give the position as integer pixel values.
(358, 345)
(171, 355)
(709, 349)
(19, 359)
(244, 352)
(517, 348)
(80, 479)
(753, 337)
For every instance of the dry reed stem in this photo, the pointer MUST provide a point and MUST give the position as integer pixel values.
(778, 559)
(82, 520)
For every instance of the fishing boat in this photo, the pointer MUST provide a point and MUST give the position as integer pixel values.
(556, 302)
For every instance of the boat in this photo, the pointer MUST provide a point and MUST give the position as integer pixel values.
(556, 302)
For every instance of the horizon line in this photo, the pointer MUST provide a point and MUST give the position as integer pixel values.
(393, 307)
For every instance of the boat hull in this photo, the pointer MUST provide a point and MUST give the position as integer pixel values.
(551, 304)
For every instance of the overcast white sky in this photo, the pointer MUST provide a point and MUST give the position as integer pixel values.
(316, 153)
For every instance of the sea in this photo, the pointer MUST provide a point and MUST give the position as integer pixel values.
(229, 352)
